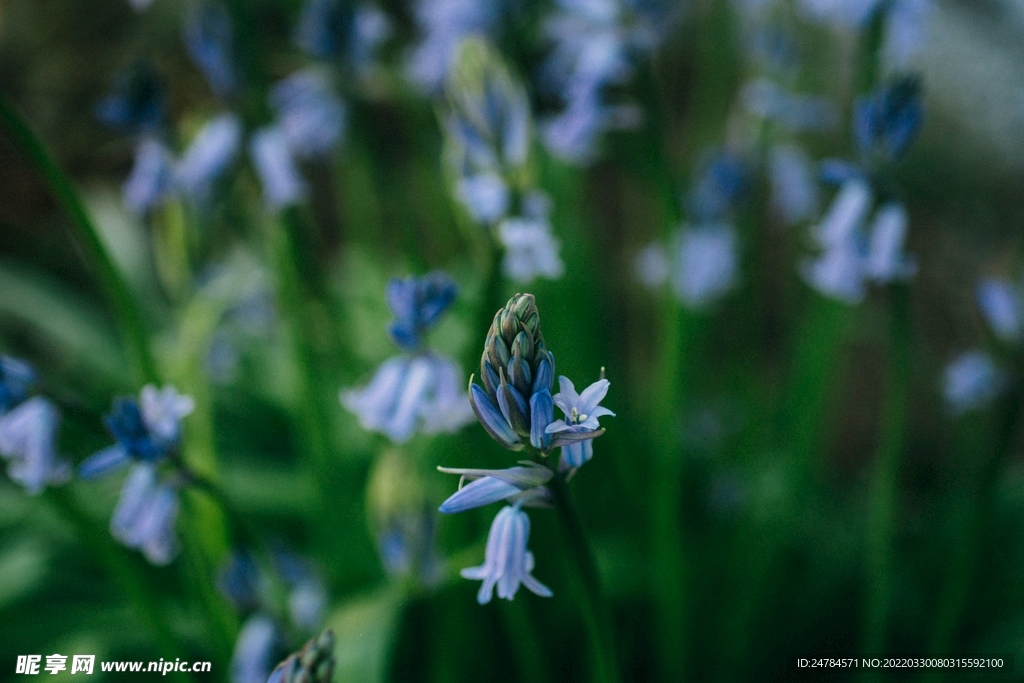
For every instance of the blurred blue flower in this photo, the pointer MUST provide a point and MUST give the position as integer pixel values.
(444, 23)
(28, 435)
(971, 381)
(581, 412)
(210, 153)
(523, 485)
(257, 649)
(885, 123)
(720, 185)
(507, 562)
(151, 178)
(418, 304)
(241, 581)
(885, 260)
(847, 14)
(16, 380)
(707, 266)
(531, 251)
(593, 42)
(146, 430)
(137, 102)
(854, 254)
(794, 192)
(282, 184)
(423, 393)
(406, 547)
(210, 44)
(145, 515)
(1001, 306)
(485, 195)
(309, 113)
(330, 29)
(765, 99)
(905, 31)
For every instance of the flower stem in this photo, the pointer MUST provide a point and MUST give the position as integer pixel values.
(126, 576)
(974, 516)
(126, 310)
(596, 616)
(882, 504)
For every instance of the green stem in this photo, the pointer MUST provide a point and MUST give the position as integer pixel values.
(668, 539)
(975, 514)
(125, 308)
(882, 508)
(595, 613)
(126, 576)
(527, 645)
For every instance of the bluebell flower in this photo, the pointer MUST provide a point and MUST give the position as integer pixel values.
(256, 650)
(330, 29)
(140, 5)
(507, 562)
(847, 14)
(146, 430)
(794, 193)
(422, 393)
(418, 304)
(720, 185)
(151, 178)
(854, 254)
(444, 23)
(282, 184)
(523, 485)
(886, 123)
(885, 260)
(593, 41)
(210, 153)
(707, 266)
(971, 381)
(241, 581)
(307, 596)
(905, 31)
(838, 272)
(137, 102)
(16, 379)
(210, 44)
(581, 412)
(28, 442)
(406, 548)
(485, 195)
(1000, 304)
(531, 251)
(145, 515)
(309, 113)
(314, 663)
(792, 111)
(573, 134)
(488, 124)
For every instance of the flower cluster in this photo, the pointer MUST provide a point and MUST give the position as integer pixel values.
(147, 433)
(593, 43)
(420, 390)
(489, 131)
(853, 252)
(28, 430)
(444, 24)
(516, 408)
(974, 378)
(313, 664)
(701, 261)
(256, 592)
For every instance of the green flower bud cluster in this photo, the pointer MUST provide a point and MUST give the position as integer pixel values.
(314, 663)
(515, 366)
